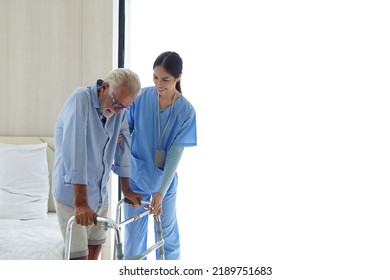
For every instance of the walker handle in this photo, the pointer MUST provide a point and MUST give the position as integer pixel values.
(95, 218)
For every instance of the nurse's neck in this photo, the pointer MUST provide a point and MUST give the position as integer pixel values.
(166, 100)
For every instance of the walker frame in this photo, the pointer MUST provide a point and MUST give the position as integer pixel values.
(116, 225)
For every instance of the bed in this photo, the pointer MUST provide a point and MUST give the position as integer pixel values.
(29, 228)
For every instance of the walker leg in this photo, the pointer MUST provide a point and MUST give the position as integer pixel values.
(160, 238)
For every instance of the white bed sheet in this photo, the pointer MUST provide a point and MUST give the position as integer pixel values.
(36, 239)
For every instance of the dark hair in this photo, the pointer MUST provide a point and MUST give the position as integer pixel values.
(172, 63)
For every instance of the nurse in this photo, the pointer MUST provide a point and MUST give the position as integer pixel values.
(162, 123)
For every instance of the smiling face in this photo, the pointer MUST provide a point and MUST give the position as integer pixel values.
(165, 83)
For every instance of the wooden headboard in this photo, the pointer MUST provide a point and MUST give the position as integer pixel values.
(50, 154)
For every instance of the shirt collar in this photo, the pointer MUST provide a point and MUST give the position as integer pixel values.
(94, 90)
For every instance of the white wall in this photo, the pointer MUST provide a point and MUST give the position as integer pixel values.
(47, 49)
(292, 106)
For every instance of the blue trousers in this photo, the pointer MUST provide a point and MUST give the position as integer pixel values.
(136, 233)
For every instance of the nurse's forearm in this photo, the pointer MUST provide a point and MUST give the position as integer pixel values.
(171, 162)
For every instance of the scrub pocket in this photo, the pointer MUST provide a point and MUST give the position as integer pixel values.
(137, 168)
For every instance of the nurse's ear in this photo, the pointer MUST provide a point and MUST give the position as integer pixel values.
(178, 79)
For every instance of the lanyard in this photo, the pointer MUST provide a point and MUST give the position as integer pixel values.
(160, 135)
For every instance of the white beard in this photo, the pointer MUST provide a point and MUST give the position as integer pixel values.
(107, 112)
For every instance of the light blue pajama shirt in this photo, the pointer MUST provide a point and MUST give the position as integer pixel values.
(86, 151)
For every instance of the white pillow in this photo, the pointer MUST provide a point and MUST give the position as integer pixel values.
(24, 181)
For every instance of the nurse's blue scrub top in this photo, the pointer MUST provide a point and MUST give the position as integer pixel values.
(142, 118)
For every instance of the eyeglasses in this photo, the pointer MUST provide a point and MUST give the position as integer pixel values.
(116, 104)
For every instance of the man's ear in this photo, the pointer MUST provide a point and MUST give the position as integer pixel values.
(105, 85)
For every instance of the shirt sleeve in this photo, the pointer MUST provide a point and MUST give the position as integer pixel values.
(186, 136)
(121, 165)
(74, 149)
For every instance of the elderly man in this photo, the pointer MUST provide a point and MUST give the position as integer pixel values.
(87, 149)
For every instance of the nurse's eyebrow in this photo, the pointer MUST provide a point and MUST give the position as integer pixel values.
(164, 78)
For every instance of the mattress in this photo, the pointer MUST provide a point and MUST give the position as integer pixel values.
(35, 239)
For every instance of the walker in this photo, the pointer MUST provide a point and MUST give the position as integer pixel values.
(116, 225)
